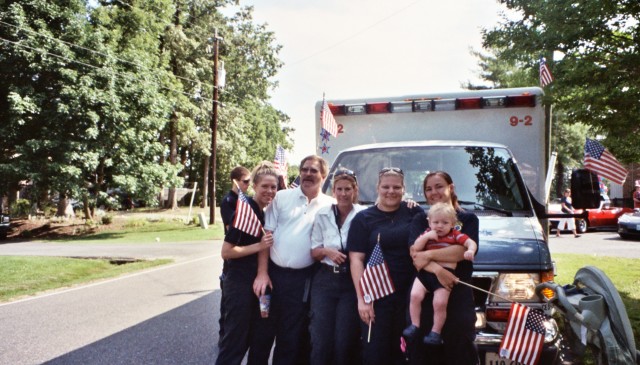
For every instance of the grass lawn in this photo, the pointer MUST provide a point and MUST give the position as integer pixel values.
(140, 230)
(624, 273)
(27, 275)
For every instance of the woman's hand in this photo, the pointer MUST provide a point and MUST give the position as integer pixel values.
(260, 284)
(421, 259)
(411, 203)
(335, 255)
(266, 241)
(446, 278)
(367, 315)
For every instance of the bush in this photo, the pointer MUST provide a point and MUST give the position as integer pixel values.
(20, 208)
(107, 219)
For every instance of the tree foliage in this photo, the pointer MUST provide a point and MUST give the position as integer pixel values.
(592, 49)
(119, 95)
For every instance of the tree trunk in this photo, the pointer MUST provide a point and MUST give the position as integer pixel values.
(62, 205)
(173, 158)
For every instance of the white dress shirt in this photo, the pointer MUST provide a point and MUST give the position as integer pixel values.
(325, 231)
(290, 217)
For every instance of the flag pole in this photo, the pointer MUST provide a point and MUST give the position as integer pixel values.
(482, 290)
(378, 242)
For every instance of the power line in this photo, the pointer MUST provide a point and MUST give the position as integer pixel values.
(354, 34)
(93, 51)
(117, 74)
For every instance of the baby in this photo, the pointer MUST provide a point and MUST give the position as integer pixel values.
(441, 233)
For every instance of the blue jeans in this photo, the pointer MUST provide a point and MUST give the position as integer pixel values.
(334, 319)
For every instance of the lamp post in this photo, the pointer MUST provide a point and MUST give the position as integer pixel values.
(214, 123)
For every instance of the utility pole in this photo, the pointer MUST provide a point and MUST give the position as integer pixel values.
(214, 124)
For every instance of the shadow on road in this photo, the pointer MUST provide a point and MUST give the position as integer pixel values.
(185, 335)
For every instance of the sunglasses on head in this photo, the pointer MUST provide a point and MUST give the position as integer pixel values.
(345, 172)
(396, 170)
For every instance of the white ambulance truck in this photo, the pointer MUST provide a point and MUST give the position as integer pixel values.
(494, 144)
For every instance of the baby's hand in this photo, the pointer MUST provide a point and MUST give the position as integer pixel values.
(469, 255)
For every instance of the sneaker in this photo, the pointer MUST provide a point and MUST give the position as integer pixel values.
(410, 332)
(433, 339)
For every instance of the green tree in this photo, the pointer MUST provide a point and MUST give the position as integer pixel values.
(567, 139)
(596, 66)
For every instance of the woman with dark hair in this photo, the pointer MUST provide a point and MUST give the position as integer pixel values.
(334, 305)
(241, 311)
(458, 332)
(385, 224)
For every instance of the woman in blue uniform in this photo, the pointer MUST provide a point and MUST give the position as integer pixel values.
(458, 332)
(242, 318)
(388, 223)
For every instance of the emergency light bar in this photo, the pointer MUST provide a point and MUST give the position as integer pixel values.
(429, 105)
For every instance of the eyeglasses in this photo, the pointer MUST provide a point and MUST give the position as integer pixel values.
(396, 170)
(309, 170)
(345, 172)
(247, 181)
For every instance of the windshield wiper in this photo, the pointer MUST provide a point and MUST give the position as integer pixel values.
(508, 213)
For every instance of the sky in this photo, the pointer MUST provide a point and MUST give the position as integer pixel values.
(368, 48)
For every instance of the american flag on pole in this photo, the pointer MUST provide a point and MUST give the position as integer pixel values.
(295, 183)
(545, 74)
(246, 219)
(524, 337)
(376, 281)
(599, 160)
(280, 161)
(327, 119)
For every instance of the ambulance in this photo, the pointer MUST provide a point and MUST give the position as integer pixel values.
(495, 145)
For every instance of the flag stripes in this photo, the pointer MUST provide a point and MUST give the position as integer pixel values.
(375, 282)
(245, 218)
(327, 119)
(599, 160)
(545, 73)
(524, 337)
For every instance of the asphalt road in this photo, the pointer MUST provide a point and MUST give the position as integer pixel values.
(600, 243)
(165, 315)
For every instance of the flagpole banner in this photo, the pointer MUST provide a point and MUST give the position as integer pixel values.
(280, 161)
(245, 218)
(545, 73)
(375, 282)
(328, 122)
(599, 160)
(524, 337)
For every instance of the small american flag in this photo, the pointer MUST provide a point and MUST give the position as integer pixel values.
(327, 119)
(375, 281)
(280, 161)
(295, 183)
(524, 337)
(545, 74)
(246, 219)
(599, 160)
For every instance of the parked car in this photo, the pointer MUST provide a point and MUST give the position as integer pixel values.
(5, 225)
(603, 217)
(629, 225)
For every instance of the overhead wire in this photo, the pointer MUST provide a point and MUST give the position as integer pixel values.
(115, 73)
(93, 51)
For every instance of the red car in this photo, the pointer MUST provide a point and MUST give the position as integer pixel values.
(604, 217)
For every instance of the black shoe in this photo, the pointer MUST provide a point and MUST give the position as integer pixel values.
(410, 333)
(432, 339)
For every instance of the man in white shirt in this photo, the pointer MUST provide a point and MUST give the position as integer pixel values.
(290, 266)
